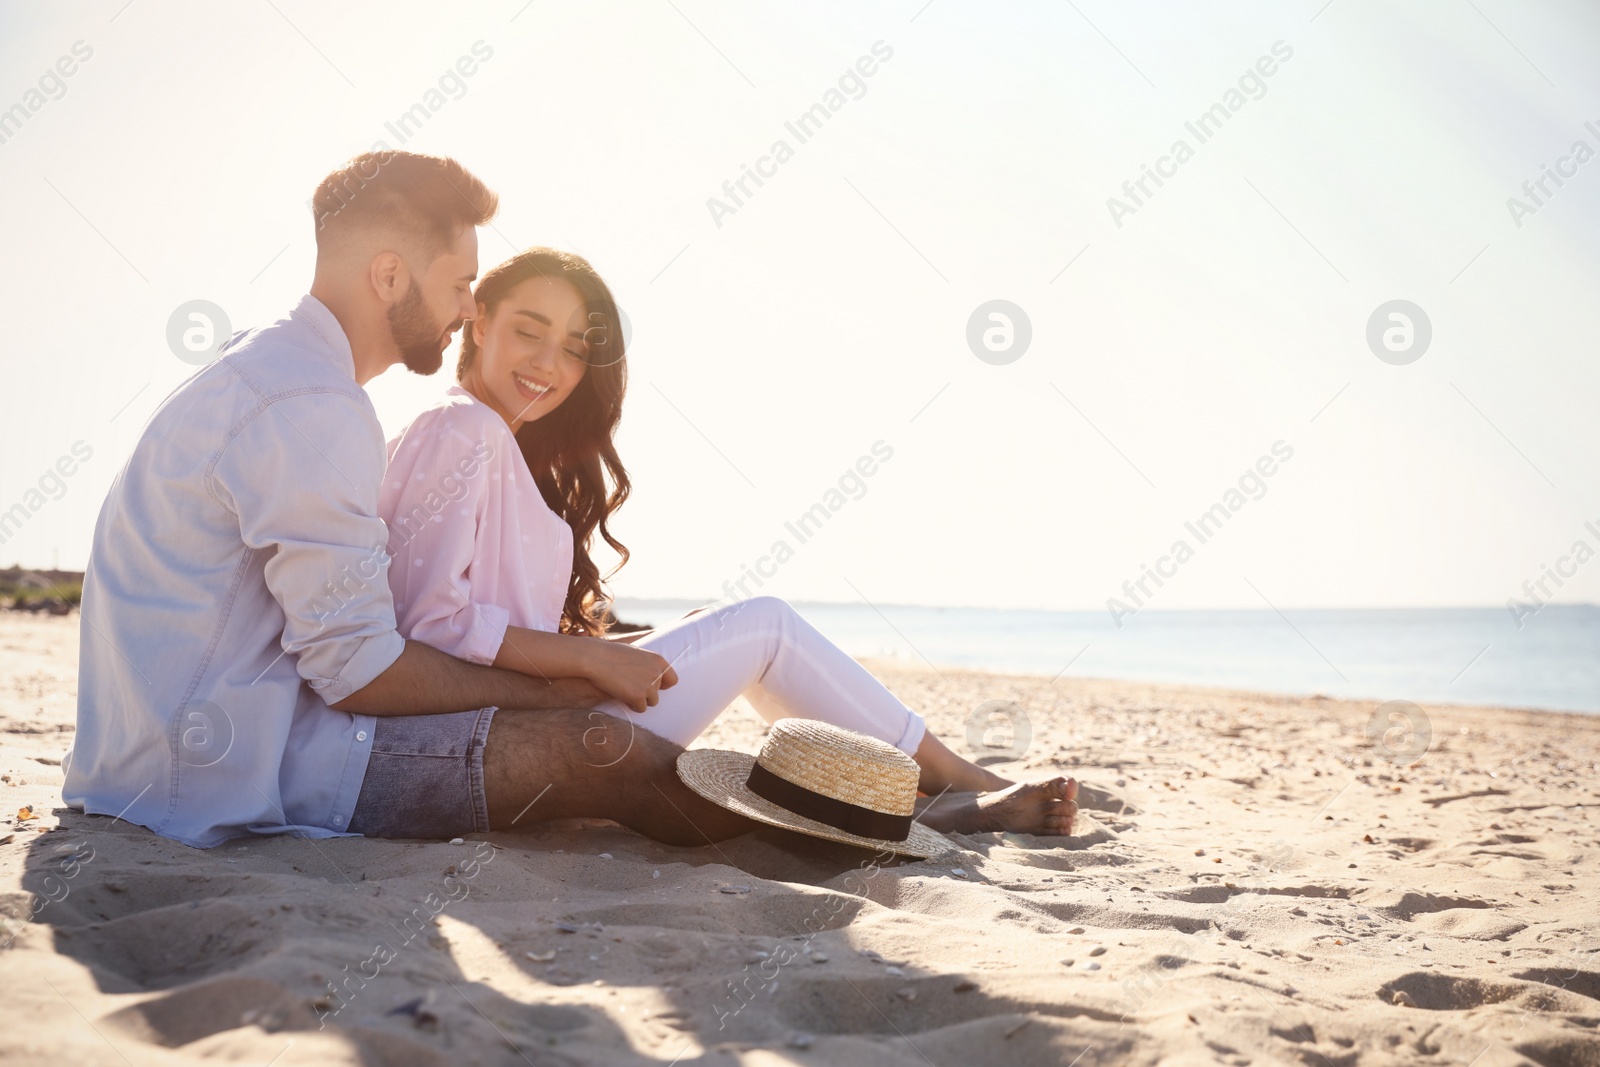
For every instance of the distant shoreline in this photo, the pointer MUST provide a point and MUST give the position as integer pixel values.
(67, 577)
(1100, 611)
(1462, 656)
(53, 592)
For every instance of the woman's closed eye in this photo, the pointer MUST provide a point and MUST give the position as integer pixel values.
(526, 336)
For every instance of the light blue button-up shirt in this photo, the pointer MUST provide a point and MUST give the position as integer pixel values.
(236, 588)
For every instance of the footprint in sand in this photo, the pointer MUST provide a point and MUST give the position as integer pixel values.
(1443, 992)
(1469, 918)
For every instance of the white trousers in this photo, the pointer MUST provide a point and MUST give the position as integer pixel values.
(763, 650)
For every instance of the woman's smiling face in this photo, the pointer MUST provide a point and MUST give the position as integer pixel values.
(531, 351)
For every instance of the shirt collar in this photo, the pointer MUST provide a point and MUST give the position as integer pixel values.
(315, 314)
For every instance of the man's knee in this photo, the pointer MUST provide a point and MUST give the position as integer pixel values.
(610, 741)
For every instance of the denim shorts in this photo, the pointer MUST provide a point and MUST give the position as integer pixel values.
(425, 777)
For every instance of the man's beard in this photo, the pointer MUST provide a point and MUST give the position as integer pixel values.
(420, 341)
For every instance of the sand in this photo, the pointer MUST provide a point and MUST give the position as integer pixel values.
(1256, 880)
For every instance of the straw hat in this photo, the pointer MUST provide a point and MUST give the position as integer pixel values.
(822, 780)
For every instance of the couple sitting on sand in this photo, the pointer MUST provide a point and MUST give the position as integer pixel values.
(288, 627)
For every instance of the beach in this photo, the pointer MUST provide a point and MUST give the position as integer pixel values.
(1254, 879)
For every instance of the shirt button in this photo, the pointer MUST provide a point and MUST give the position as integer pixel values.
(338, 820)
(361, 735)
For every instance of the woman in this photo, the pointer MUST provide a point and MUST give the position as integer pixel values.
(493, 497)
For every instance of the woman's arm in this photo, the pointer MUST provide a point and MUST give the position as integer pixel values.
(632, 675)
(436, 550)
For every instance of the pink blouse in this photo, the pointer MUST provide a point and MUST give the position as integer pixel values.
(473, 547)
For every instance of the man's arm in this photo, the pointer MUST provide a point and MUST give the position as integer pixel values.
(425, 681)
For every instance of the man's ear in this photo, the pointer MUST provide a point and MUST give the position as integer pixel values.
(389, 276)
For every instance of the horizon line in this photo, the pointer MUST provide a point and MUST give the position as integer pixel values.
(701, 601)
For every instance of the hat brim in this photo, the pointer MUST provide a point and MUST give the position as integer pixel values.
(720, 777)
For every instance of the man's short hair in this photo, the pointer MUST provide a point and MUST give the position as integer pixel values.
(423, 199)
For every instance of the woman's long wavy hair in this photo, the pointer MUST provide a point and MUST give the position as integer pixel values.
(566, 449)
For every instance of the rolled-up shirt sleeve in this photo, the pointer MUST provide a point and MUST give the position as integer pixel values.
(303, 476)
(443, 482)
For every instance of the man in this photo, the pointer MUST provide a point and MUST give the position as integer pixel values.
(238, 635)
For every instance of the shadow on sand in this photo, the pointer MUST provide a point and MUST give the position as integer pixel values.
(398, 952)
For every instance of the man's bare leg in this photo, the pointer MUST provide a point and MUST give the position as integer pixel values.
(541, 765)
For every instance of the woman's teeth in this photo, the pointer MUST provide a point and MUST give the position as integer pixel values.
(532, 386)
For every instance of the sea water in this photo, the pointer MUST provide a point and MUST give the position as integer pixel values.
(1424, 655)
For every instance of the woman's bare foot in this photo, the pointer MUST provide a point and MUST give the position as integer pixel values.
(1048, 808)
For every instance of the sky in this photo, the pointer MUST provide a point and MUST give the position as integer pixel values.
(1182, 339)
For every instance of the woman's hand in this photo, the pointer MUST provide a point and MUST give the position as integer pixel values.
(634, 676)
